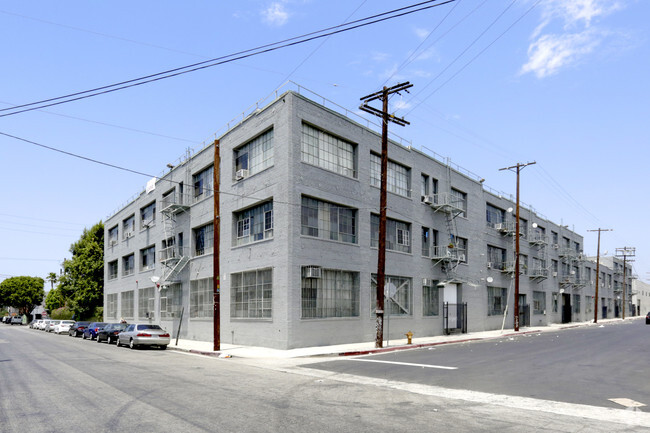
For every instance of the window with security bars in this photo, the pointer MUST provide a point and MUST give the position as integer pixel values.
(171, 301)
(589, 304)
(496, 257)
(431, 299)
(576, 303)
(539, 302)
(496, 300)
(203, 184)
(146, 305)
(201, 298)
(251, 294)
(398, 234)
(398, 177)
(399, 295)
(328, 220)
(256, 155)
(127, 304)
(329, 152)
(334, 294)
(204, 240)
(111, 306)
(253, 224)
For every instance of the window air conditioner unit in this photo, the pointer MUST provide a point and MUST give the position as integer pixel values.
(312, 272)
(427, 199)
(113, 242)
(241, 174)
(555, 274)
(427, 282)
(461, 257)
(489, 265)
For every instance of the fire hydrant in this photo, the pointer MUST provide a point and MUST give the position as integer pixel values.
(409, 336)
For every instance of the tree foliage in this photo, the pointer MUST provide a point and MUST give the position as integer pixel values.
(24, 293)
(54, 300)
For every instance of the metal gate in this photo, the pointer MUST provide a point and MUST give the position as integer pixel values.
(454, 316)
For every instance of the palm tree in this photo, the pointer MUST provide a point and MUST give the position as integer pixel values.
(51, 277)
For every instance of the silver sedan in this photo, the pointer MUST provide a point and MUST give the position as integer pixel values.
(143, 334)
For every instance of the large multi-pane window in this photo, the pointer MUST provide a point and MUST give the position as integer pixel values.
(424, 186)
(111, 306)
(555, 300)
(576, 304)
(589, 304)
(327, 151)
(128, 227)
(113, 236)
(494, 215)
(128, 265)
(328, 221)
(398, 234)
(253, 224)
(334, 294)
(430, 299)
(203, 240)
(148, 258)
(203, 184)
(251, 294)
(496, 257)
(171, 301)
(201, 298)
(146, 303)
(148, 216)
(256, 155)
(539, 302)
(399, 295)
(461, 248)
(398, 176)
(112, 270)
(426, 241)
(459, 198)
(127, 304)
(496, 300)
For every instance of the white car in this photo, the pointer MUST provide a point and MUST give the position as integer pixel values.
(43, 324)
(63, 326)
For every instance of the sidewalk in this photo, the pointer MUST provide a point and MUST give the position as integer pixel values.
(229, 350)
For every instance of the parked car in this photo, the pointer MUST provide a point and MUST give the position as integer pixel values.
(50, 326)
(33, 323)
(78, 329)
(143, 334)
(16, 320)
(92, 329)
(63, 326)
(6, 319)
(647, 318)
(110, 331)
(44, 324)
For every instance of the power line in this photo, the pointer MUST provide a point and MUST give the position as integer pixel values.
(40, 219)
(396, 13)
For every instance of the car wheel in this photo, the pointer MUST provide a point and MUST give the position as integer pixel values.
(108, 340)
(98, 340)
(163, 347)
(117, 342)
(132, 345)
(83, 336)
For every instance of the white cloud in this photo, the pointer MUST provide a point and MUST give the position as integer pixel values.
(421, 33)
(275, 14)
(379, 56)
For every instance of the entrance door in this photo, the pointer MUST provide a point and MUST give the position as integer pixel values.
(522, 311)
(566, 308)
(450, 295)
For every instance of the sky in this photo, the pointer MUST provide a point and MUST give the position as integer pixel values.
(495, 83)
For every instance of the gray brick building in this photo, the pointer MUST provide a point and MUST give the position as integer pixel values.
(299, 205)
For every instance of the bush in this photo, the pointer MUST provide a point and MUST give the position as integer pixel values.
(98, 316)
(63, 313)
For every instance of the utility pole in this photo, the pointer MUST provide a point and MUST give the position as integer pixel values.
(381, 261)
(625, 252)
(597, 271)
(216, 230)
(517, 168)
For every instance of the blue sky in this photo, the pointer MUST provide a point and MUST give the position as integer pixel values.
(562, 83)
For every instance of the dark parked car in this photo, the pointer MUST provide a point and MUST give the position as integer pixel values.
(110, 331)
(78, 329)
(92, 330)
(647, 318)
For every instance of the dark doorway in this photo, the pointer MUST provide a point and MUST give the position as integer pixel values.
(524, 312)
(566, 308)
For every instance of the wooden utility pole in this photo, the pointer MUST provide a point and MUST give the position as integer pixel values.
(517, 168)
(597, 271)
(216, 230)
(381, 261)
(625, 252)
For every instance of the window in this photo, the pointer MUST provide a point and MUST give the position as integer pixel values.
(128, 227)
(256, 155)
(171, 301)
(398, 176)
(496, 300)
(334, 294)
(201, 298)
(326, 151)
(399, 301)
(424, 186)
(251, 294)
(128, 265)
(113, 236)
(431, 299)
(555, 296)
(459, 198)
(523, 227)
(204, 240)
(328, 221)
(576, 304)
(494, 215)
(203, 184)
(539, 302)
(111, 306)
(127, 304)
(461, 249)
(426, 242)
(253, 224)
(589, 304)
(148, 258)
(555, 265)
(554, 238)
(146, 303)
(496, 257)
(148, 216)
(112, 270)
(398, 234)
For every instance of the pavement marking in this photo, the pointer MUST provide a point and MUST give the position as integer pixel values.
(626, 402)
(409, 364)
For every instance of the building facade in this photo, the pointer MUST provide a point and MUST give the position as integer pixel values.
(298, 224)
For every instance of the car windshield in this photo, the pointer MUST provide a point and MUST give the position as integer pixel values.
(142, 327)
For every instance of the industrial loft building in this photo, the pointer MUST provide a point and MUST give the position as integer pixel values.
(299, 217)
